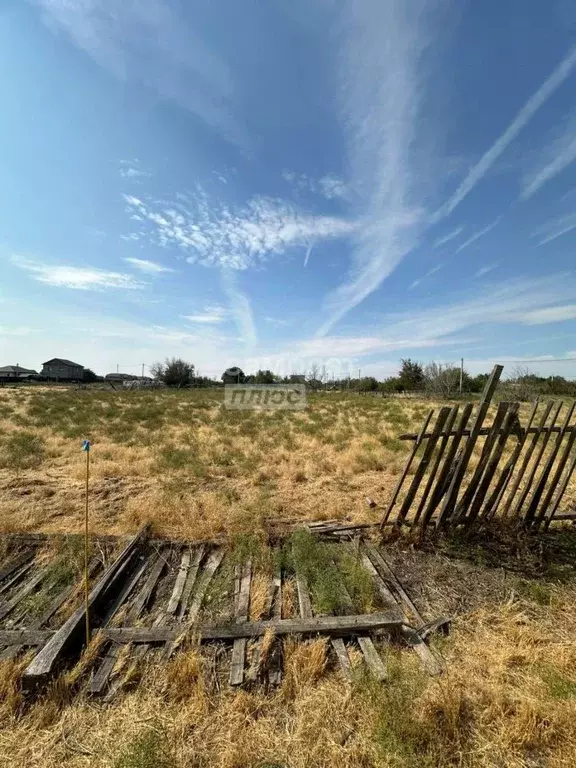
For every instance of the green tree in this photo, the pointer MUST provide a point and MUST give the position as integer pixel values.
(411, 375)
(233, 375)
(174, 372)
(263, 377)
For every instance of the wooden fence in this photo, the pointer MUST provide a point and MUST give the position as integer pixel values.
(468, 471)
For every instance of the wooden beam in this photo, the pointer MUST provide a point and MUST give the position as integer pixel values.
(483, 432)
(70, 637)
(23, 592)
(10, 567)
(337, 626)
(25, 636)
(191, 579)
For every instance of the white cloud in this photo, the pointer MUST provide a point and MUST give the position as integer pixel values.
(80, 278)
(516, 302)
(149, 267)
(435, 269)
(478, 235)
(484, 270)
(448, 236)
(414, 284)
(555, 228)
(557, 156)
(277, 322)
(552, 315)
(132, 169)
(381, 77)
(537, 100)
(214, 234)
(240, 307)
(213, 314)
(331, 187)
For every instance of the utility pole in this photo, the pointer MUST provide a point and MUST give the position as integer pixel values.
(461, 373)
(117, 368)
(142, 370)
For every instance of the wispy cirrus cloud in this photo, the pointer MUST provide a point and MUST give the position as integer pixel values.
(146, 41)
(555, 228)
(330, 186)
(448, 236)
(552, 315)
(534, 103)
(478, 235)
(485, 270)
(516, 302)
(213, 314)
(79, 278)
(555, 158)
(240, 307)
(149, 267)
(133, 169)
(382, 88)
(215, 234)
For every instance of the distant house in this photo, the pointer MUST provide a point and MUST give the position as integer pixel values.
(60, 369)
(121, 377)
(298, 378)
(15, 372)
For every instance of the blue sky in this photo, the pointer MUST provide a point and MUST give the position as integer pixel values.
(284, 184)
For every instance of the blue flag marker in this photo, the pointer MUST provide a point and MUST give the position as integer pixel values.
(86, 445)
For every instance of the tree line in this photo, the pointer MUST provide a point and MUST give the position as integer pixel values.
(437, 379)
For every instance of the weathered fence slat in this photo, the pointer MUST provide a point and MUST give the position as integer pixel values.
(493, 461)
(406, 469)
(452, 494)
(555, 482)
(241, 615)
(463, 506)
(561, 490)
(540, 452)
(545, 474)
(71, 631)
(439, 454)
(191, 580)
(422, 467)
(508, 471)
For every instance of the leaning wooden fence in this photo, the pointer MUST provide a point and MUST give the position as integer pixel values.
(468, 470)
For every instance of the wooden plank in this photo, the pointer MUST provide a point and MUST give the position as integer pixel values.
(304, 602)
(507, 473)
(191, 580)
(423, 466)
(71, 633)
(561, 490)
(493, 461)
(463, 507)
(546, 506)
(179, 583)
(451, 497)
(23, 592)
(341, 652)
(448, 467)
(214, 560)
(536, 463)
(406, 469)
(337, 626)
(241, 615)
(439, 454)
(18, 561)
(532, 512)
(429, 659)
(25, 636)
(143, 597)
(528, 455)
(124, 594)
(372, 658)
(16, 577)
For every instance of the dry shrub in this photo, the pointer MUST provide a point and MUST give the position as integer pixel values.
(184, 679)
(259, 593)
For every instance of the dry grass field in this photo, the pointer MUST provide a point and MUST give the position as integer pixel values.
(193, 469)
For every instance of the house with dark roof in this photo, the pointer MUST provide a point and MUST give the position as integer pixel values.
(60, 370)
(15, 372)
(121, 377)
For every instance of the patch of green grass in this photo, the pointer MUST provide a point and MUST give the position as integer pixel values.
(21, 450)
(149, 750)
(559, 687)
(535, 591)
